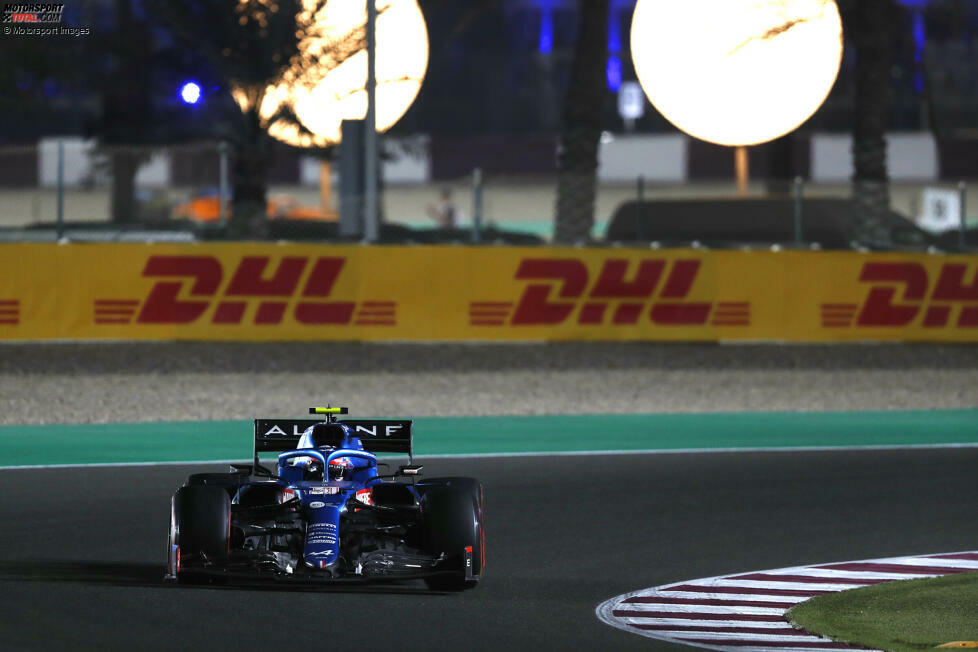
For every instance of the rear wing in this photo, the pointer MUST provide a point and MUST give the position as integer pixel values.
(376, 435)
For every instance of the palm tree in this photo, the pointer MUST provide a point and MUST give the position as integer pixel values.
(871, 27)
(254, 45)
(577, 157)
(126, 110)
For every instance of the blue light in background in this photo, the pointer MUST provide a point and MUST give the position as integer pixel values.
(190, 93)
(613, 72)
(613, 69)
(546, 43)
(919, 40)
(614, 33)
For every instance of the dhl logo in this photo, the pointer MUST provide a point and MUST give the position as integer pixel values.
(9, 312)
(900, 292)
(653, 290)
(190, 286)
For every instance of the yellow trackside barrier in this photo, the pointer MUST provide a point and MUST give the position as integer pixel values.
(317, 292)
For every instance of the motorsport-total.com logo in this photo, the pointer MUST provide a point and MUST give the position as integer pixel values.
(32, 12)
(37, 19)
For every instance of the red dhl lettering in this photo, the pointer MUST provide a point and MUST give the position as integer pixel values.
(901, 292)
(560, 288)
(9, 312)
(192, 288)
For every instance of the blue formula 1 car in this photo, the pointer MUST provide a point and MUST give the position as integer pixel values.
(327, 514)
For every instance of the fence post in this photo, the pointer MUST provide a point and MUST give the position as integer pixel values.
(476, 204)
(371, 209)
(798, 189)
(640, 213)
(962, 217)
(222, 181)
(61, 190)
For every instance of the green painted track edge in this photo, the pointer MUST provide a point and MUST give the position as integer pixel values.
(174, 441)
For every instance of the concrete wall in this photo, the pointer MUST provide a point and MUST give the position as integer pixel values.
(654, 157)
(910, 157)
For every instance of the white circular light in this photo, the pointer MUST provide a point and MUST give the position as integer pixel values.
(190, 93)
(335, 91)
(736, 72)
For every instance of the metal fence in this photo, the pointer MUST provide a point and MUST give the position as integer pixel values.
(67, 188)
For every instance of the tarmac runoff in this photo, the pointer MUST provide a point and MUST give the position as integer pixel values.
(746, 611)
(171, 442)
(733, 612)
(83, 548)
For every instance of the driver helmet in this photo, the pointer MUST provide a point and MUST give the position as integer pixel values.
(326, 437)
(338, 468)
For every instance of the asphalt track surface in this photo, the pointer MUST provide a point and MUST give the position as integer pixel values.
(82, 549)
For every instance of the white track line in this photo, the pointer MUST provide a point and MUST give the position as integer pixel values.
(589, 453)
(99, 465)
(652, 608)
(931, 561)
(722, 636)
(843, 575)
(782, 584)
(731, 612)
(707, 625)
(687, 595)
(785, 647)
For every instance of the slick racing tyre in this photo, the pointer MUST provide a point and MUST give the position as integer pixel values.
(227, 481)
(200, 525)
(453, 520)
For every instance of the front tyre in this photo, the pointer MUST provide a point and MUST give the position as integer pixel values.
(200, 520)
(453, 517)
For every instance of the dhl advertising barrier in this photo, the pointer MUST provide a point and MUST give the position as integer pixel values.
(319, 292)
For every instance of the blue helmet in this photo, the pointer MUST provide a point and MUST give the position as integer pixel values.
(326, 436)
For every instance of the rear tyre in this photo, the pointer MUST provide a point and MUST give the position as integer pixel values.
(200, 525)
(453, 520)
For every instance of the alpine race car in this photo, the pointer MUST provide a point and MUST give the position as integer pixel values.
(326, 513)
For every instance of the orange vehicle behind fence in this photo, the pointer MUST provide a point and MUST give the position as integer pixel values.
(207, 209)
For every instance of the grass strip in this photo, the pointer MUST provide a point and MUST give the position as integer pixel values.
(899, 616)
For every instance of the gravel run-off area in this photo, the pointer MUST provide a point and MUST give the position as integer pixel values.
(98, 382)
